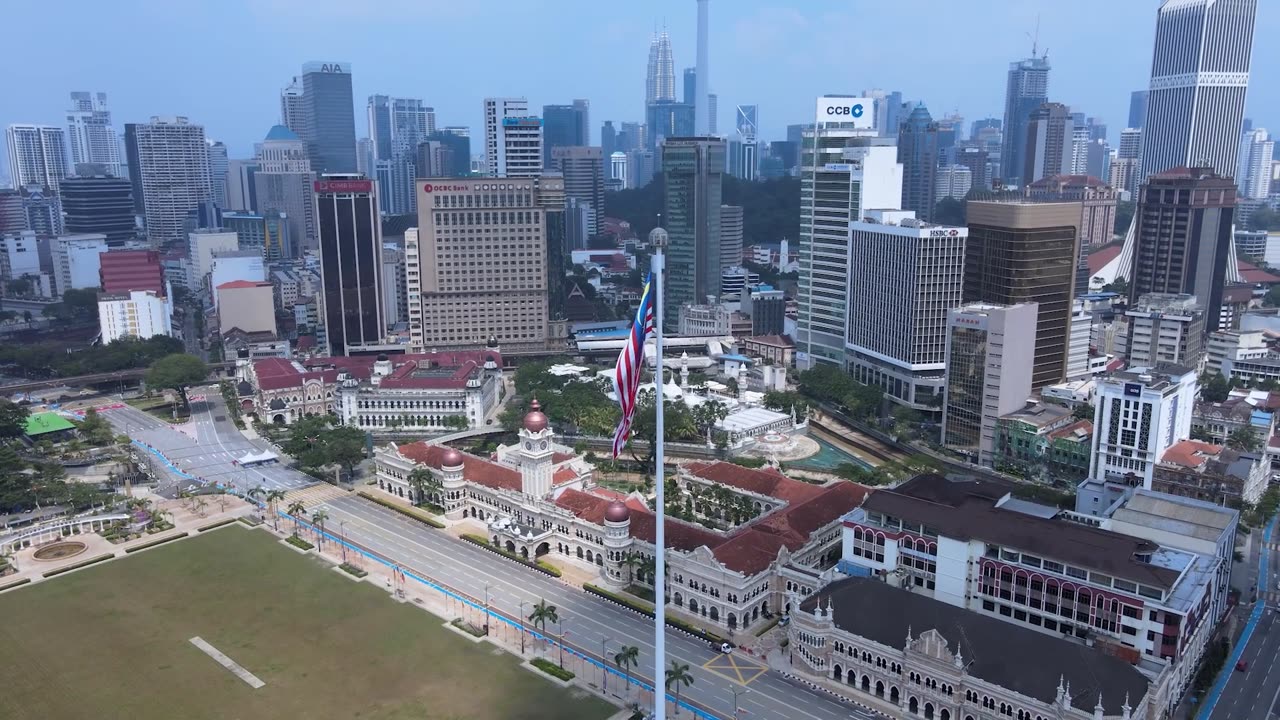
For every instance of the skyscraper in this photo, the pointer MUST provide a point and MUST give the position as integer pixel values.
(292, 115)
(918, 154)
(1183, 236)
(704, 104)
(583, 171)
(506, 298)
(446, 153)
(218, 164)
(1049, 143)
(328, 113)
(1130, 144)
(888, 110)
(660, 79)
(989, 370)
(608, 139)
(283, 182)
(906, 275)
(1257, 151)
(101, 205)
(512, 138)
(690, 86)
(730, 236)
(844, 169)
(1020, 252)
(1199, 78)
(396, 127)
(37, 155)
(746, 160)
(350, 262)
(92, 138)
(1027, 90)
(565, 126)
(1137, 109)
(693, 168)
(667, 119)
(169, 167)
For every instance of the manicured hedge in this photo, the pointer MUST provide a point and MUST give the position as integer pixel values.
(540, 566)
(154, 543)
(646, 609)
(218, 524)
(77, 566)
(409, 512)
(20, 583)
(551, 669)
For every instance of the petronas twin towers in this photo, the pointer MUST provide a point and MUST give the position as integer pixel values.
(660, 82)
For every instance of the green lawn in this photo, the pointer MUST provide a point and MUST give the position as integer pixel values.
(112, 642)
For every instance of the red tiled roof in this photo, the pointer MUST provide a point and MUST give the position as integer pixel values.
(679, 535)
(1084, 425)
(1100, 256)
(587, 506)
(277, 373)
(557, 458)
(474, 469)
(1255, 275)
(563, 475)
(762, 482)
(1238, 293)
(1189, 453)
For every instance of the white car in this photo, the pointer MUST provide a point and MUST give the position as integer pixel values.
(726, 648)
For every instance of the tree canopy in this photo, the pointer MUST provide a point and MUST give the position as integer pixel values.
(827, 382)
(177, 372)
(51, 359)
(314, 441)
(13, 419)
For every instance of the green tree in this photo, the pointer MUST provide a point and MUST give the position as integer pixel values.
(317, 519)
(177, 372)
(424, 483)
(1272, 298)
(1244, 439)
(678, 676)
(298, 512)
(785, 401)
(1199, 433)
(627, 658)
(1124, 216)
(543, 614)
(456, 422)
(1264, 218)
(949, 211)
(1083, 411)
(13, 419)
(95, 429)
(273, 501)
(1214, 387)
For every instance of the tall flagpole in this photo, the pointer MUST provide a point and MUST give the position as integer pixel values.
(660, 545)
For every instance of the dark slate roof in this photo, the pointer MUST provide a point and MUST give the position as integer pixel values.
(1025, 661)
(280, 132)
(244, 388)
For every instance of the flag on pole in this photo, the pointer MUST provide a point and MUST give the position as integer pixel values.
(626, 376)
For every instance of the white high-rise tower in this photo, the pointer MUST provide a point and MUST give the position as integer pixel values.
(1256, 153)
(660, 80)
(1199, 78)
(37, 155)
(89, 131)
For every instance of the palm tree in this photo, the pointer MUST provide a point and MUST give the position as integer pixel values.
(200, 504)
(256, 494)
(649, 569)
(632, 561)
(543, 614)
(317, 518)
(298, 511)
(626, 659)
(273, 500)
(678, 675)
(424, 483)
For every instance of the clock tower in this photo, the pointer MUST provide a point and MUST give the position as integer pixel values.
(535, 453)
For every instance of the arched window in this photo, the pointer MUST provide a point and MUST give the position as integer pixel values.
(913, 706)
(928, 711)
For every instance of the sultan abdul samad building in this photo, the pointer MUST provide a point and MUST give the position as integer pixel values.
(778, 536)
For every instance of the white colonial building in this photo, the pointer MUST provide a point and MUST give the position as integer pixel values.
(387, 394)
(762, 534)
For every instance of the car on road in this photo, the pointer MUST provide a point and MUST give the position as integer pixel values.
(1242, 665)
(726, 647)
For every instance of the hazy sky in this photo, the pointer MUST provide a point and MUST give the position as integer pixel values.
(223, 63)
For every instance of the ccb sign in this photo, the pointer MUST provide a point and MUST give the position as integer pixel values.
(846, 110)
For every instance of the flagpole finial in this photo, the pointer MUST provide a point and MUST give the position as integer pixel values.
(658, 238)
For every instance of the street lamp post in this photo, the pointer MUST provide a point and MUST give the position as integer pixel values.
(342, 534)
(486, 608)
(736, 692)
(604, 663)
(563, 633)
(522, 628)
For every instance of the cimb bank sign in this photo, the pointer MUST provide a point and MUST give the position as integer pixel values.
(858, 112)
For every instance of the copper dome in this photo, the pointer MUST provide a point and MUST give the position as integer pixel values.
(451, 458)
(617, 512)
(535, 421)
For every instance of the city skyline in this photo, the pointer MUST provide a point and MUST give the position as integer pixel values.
(780, 61)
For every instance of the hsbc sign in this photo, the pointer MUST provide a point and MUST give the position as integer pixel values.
(856, 111)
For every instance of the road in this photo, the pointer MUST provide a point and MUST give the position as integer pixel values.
(212, 441)
(1254, 693)
(587, 620)
(204, 447)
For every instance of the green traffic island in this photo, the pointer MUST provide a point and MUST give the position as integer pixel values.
(215, 526)
(552, 669)
(646, 609)
(12, 585)
(77, 566)
(352, 570)
(409, 512)
(299, 543)
(154, 543)
(539, 565)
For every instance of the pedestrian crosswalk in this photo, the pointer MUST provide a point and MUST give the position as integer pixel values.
(314, 495)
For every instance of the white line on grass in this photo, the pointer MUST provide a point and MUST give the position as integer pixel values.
(227, 663)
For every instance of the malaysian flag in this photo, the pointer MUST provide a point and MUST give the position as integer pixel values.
(626, 376)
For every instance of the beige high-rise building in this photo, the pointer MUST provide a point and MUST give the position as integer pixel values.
(476, 265)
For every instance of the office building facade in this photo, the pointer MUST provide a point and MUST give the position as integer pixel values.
(76, 261)
(1182, 242)
(284, 183)
(91, 137)
(37, 156)
(1199, 78)
(1027, 89)
(583, 171)
(512, 138)
(565, 126)
(730, 236)
(138, 314)
(667, 119)
(1049, 149)
(328, 117)
(693, 169)
(905, 276)
(1097, 203)
(350, 235)
(1164, 329)
(1139, 414)
(100, 205)
(473, 275)
(660, 76)
(988, 373)
(169, 168)
(1257, 152)
(1026, 252)
(918, 155)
